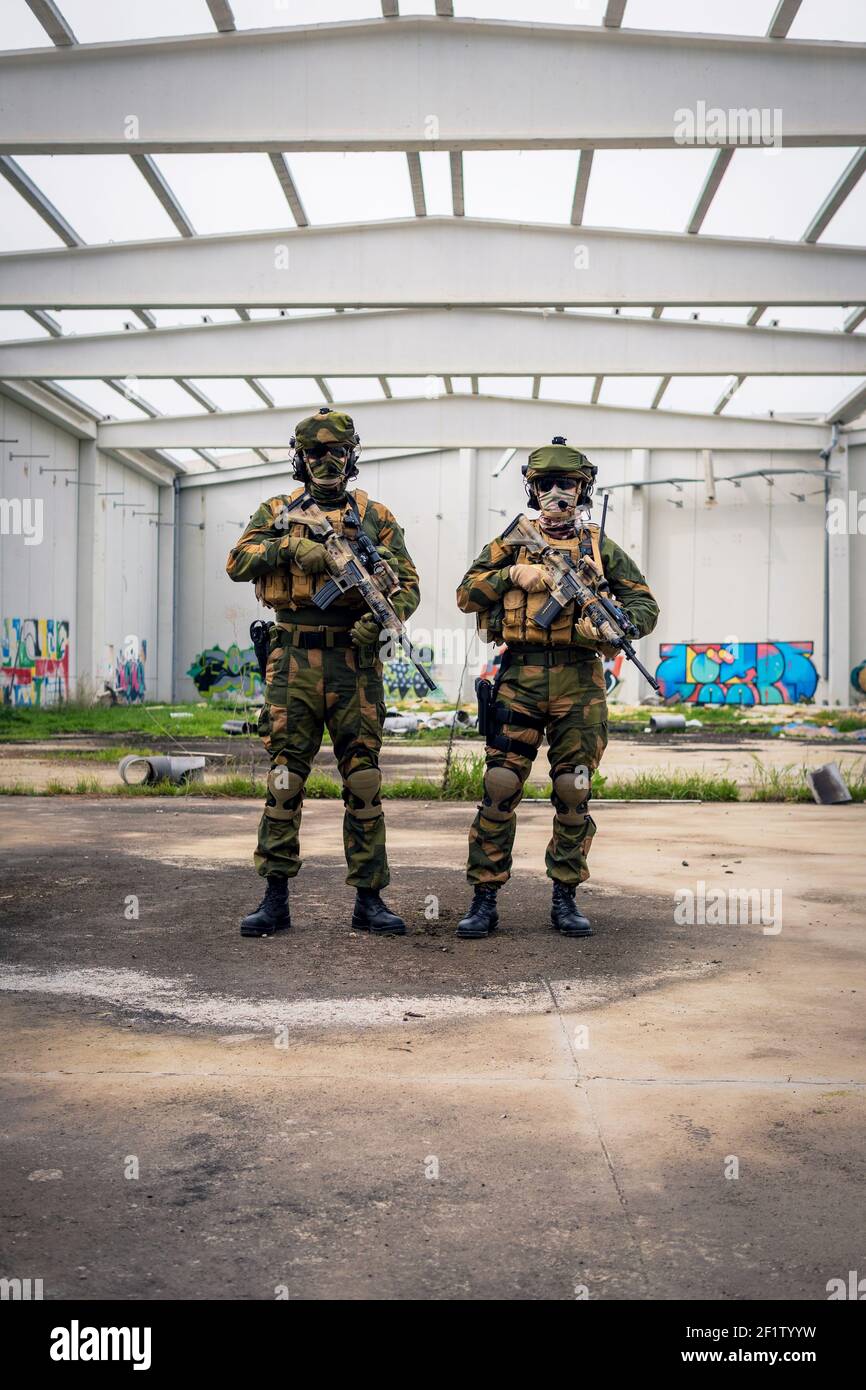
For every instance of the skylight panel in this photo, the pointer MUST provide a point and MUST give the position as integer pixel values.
(107, 22)
(180, 318)
(163, 394)
(842, 20)
(711, 313)
(228, 393)
(14, 324)
(103, 399)
(78, 321)
(792, 395)
(520, 185)
(824, 318)
(411, 387)
(22, 229)
(355, 388)
(19, 28)
(505, 386)
(103, 196)
(353, 187)
(773, 193)
(696, 393)
(848, 227)
(646, 189)
(540, 12)
(628, 390)
(266, 14)
(701, 16)
(291, 391)
(577, 389)
(227, 192)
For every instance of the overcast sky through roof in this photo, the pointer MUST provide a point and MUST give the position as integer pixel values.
(765, 193)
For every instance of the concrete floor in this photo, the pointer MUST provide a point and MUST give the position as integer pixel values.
(335, 1116)
(625, 755)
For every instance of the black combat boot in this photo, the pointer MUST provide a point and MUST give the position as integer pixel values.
(482, 917)
(372, 915)
(565, 916)
(272, 913)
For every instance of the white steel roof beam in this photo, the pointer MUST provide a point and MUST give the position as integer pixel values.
(465, 342)
(581, 187)
(418, 261)
(287, 183)
(416, 179)
(783, 17)
(53, 22)
(32, 194)
(465, 421)
(618, 88)
(221, 12)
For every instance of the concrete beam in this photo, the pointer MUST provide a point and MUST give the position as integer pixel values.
(249, 90)
(430, 261)
(473, 422)
(421, 342)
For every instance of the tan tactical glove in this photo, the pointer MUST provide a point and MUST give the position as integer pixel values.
(309, 555)
(366, 631)
(596, 571)
(531, 578)
(587, 629)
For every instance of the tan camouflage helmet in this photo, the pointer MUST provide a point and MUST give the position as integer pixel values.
(327, 426)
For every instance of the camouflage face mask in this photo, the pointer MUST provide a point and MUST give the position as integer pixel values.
(327, 474)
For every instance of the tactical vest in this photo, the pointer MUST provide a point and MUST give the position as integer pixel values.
(519, 607)
(288, 586)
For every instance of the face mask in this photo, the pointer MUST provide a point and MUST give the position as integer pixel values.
(558, 507)
(327, 476)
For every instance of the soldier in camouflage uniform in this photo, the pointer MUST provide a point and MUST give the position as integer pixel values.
(551, 681)
(323, 670)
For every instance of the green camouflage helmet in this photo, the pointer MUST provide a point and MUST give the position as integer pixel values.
(327, 426)
(556, 459)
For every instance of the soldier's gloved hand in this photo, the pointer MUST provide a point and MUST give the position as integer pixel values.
(532, 578)
(587, 629)
(595, 571)
(309, 555)
(365, 632)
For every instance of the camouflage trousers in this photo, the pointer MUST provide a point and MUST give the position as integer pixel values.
(308, 690)
(568, 703)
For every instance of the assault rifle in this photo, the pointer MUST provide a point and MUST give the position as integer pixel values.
(578, 583)
(356, 564)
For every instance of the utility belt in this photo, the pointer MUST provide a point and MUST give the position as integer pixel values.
(308, 639)
(553, 656)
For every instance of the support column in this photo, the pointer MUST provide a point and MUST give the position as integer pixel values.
(635, 541)
(88, 638)
(837, 689)
(165, 595)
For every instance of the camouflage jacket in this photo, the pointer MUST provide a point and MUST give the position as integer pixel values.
(262, 548)
(486, 582)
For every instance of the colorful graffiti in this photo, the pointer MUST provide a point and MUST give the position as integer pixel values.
(227, 675)
(401, 679)
(737, 673)
(34, 661)
(858, 678)
(126, 678)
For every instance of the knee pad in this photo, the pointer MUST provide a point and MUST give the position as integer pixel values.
(502, 791)
(570, 802)
(285, 793)
(361, 793)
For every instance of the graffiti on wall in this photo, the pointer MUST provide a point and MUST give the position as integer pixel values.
(125, 677)
(227, 675)
(401, 679)
(858, 678)
(34, 661)
(737, 673)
